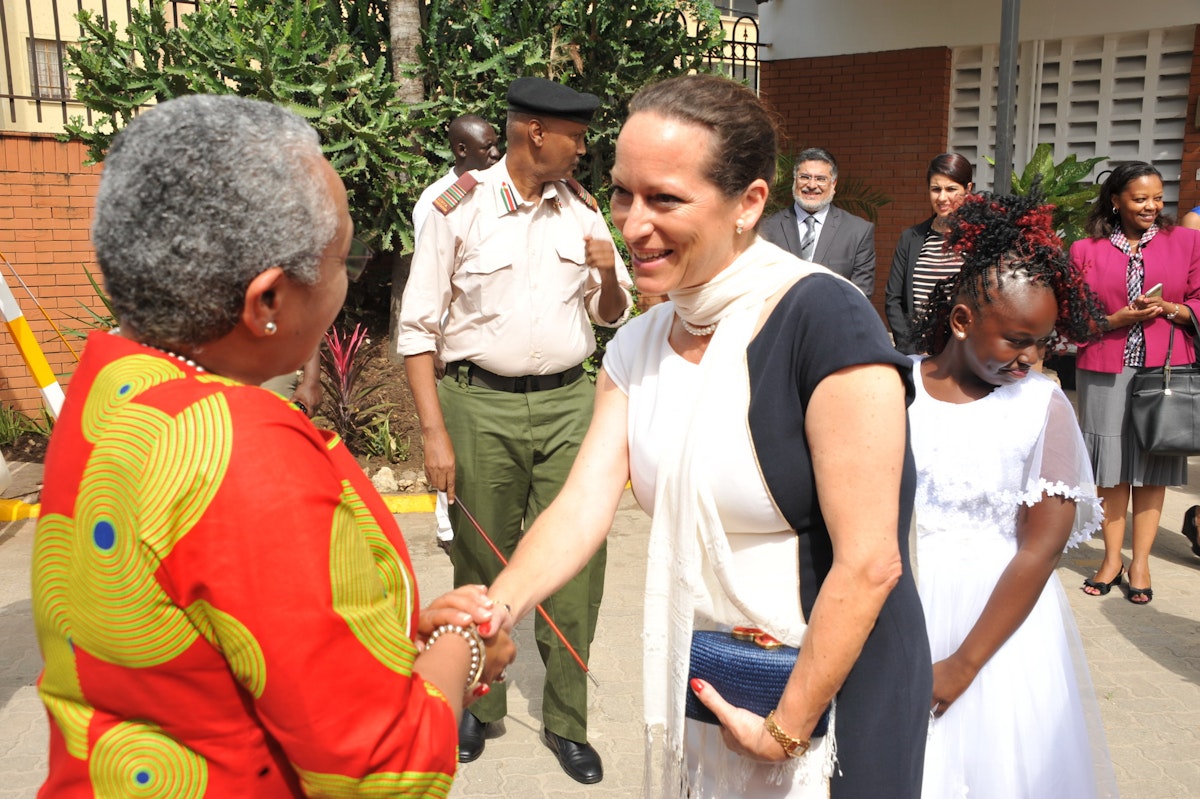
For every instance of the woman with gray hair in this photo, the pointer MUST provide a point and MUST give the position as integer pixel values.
(224, 604)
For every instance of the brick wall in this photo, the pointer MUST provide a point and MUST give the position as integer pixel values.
(46, 199)
(882, 115)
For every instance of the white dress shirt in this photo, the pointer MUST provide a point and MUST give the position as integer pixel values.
(512, 273)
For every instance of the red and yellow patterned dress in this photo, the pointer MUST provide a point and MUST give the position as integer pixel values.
(224, 604)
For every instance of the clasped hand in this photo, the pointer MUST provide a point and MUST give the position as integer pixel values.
(466, 605)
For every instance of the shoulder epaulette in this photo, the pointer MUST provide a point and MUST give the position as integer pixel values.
(448, 200)
(583, 194)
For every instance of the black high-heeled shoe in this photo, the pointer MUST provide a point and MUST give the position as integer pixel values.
(1140, 596)
(1189, 528)
(1103, 588)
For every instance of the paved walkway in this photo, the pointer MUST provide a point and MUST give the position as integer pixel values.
(1145, 663)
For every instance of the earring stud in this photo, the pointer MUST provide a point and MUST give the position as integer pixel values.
(741, 227)
(270, 328)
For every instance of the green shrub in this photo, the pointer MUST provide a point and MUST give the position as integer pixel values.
(1064, 185)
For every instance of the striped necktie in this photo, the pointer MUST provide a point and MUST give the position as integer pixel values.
(808, 243)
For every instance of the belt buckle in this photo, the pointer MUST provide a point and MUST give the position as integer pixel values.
(520, 384)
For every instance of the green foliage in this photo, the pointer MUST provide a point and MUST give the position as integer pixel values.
(328, 61)
(475, 48)
(854, 195)
(324, 59)
(1065, 186)
(592, 363)
(13, 425)
(92, 320)
(44, 425)
(346, 405)
(380, 442)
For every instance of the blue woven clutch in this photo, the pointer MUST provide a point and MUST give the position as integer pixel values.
(747, 674)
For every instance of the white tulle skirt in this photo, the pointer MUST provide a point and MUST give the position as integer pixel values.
(1029, 725)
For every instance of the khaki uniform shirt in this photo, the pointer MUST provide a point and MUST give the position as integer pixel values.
(513, 278)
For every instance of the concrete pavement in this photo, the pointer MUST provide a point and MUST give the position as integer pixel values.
(1145, 664)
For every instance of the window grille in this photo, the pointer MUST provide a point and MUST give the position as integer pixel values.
(47, 72)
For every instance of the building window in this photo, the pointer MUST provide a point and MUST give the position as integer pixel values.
(46, 72)
(737, 8)
(1122, 95)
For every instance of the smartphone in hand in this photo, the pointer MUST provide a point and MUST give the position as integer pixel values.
(1155, 290)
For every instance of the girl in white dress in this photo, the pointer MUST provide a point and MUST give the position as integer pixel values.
(1003, 485)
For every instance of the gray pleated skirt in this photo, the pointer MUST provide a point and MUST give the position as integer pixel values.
(1117, 457)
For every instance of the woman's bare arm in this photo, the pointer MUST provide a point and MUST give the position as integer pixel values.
(566, 535)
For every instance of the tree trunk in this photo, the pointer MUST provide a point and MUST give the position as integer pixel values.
(404, 21)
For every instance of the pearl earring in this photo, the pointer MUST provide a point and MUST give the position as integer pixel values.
(270, 328)
(741, 227)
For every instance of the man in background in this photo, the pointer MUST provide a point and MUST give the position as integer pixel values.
(475, 145)
(816, 231)
(519, 263)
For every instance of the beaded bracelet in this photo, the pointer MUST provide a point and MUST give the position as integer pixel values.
(478, 654)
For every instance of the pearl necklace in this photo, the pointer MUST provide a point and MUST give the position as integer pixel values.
(177, 356)
(699, 332)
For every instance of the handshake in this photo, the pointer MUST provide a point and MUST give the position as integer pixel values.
(466, 616)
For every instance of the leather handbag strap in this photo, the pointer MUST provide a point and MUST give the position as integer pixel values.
(1167, 366)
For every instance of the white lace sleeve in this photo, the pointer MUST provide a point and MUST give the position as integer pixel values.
(1059, 465)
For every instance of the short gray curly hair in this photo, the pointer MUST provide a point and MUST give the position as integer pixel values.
(198, 196)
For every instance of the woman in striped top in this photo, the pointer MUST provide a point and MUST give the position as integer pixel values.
(921, 259)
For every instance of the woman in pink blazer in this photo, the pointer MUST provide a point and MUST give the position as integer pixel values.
(1133, 248)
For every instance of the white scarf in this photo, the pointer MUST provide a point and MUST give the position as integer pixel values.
(686, 529)
(728, 291)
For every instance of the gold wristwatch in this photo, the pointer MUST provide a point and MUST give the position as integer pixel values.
(793, 747)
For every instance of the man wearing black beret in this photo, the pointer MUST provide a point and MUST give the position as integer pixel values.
(521, 262)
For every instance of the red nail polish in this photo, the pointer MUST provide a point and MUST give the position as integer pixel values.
(697, 685)
(485, 629)
(483, 690)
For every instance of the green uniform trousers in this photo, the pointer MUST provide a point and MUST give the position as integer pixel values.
(512, 453)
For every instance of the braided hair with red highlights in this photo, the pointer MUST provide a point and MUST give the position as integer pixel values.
(1003, 237)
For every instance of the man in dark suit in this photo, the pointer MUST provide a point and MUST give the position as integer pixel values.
(833, 238)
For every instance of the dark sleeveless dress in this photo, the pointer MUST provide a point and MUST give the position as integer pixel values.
(820, 326)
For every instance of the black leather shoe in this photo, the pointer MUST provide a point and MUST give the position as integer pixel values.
(471, 732)
(580, 761)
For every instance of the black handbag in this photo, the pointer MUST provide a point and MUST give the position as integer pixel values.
(748, 668)
(1165, 407)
